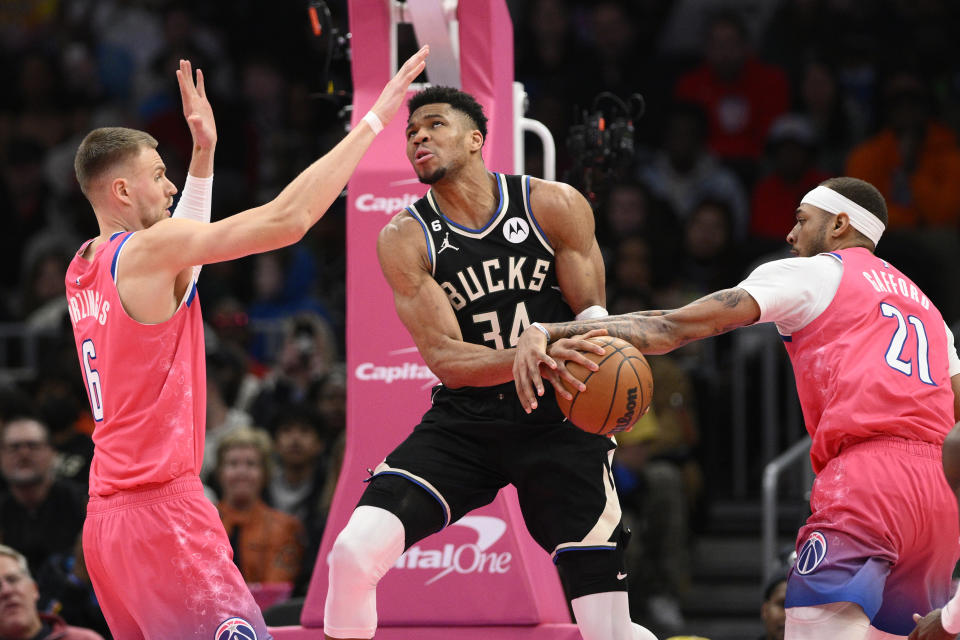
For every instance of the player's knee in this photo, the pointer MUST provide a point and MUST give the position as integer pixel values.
(368, 546)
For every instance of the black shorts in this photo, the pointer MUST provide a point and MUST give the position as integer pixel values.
(473, 442)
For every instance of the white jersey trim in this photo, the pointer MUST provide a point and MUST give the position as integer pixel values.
(492, 224)
(525, 189)
(431, 248)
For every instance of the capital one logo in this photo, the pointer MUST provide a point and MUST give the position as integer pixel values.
(387, 374)
(371, 202)
(465, 558)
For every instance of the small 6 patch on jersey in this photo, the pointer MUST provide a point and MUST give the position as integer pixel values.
(235, 629)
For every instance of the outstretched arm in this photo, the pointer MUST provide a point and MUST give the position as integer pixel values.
(649, 331)
(154, 256)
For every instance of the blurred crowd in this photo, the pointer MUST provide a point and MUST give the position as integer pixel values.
(749, 104)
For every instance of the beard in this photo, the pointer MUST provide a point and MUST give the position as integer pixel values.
(434, 177)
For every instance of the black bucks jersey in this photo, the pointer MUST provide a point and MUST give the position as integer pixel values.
(498, 278)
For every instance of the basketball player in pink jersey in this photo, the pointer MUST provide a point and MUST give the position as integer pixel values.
(878, 379)
(935, 625)
(157, 554)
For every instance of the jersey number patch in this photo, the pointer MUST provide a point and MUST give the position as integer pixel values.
(491, 319)
(92, 376)
(895, 350)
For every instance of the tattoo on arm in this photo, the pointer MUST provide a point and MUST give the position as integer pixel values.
(729, 298)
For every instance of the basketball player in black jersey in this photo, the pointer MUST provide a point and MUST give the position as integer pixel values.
(470, 264)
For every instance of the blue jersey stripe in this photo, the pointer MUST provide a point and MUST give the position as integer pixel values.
(116, 255)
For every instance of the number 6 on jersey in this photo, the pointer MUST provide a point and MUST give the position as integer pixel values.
(92, 376)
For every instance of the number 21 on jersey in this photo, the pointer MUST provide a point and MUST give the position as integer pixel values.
(895, 350)
(92, 376)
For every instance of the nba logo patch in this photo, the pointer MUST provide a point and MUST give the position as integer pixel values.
(235, 629)
(811, 554)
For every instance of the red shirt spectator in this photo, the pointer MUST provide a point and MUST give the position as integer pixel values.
(741, 95)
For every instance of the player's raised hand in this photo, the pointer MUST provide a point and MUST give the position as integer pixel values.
(196, 107)
(929, 627)
(393, 94)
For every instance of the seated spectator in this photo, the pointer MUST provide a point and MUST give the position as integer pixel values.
(20, 619)
(66, 590)
(791, 148)
(301, 444)
(267, 544)
(306, 355)
(914, 160)
(684, 172)
(61, 404)
(915, 163)
(741, 95)
(771, 611)
(40, 514)
(222, 419)
(659, 483)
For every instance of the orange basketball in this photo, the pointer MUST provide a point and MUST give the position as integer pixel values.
(617, 394)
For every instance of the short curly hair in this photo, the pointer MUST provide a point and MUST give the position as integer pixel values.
(459, 100)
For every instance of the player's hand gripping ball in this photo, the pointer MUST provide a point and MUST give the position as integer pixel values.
(617, 394)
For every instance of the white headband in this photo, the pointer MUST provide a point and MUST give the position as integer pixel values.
(833, 202)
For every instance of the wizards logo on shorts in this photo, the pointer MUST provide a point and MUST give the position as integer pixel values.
(235, 629)
(811, 554)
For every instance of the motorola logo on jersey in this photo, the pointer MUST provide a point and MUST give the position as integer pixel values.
(235, 629)
(371, 202)
(811, 554)
(516, 230)
(465, 558)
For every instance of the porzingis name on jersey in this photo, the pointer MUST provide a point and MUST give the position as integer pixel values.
(88, 303)
(519, 273)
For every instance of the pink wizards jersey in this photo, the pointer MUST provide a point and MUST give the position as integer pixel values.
(146, 382)
(874, 363)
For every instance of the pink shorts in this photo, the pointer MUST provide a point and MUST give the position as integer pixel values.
(162, 567)
(883, 534)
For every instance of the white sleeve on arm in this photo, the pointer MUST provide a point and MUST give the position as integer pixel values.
(952, 357)
(195, 204)
(792, 292)
(950, 614)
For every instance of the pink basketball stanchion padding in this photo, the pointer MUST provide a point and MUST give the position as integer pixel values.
(484, 576)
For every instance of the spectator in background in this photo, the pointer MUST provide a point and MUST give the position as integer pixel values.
(914, 160)
(821, 100)
(741, 94)
(915, 163)
(222, 417)
(659, 483)
(267, 544)
(791, 148)
(306, 354)
(61, 405)
(302, 445)
(19, 618)
(684, 172)
(771, 611)
(39, 514)
(66, 590)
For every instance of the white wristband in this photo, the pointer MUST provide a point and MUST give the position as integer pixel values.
(374, 121)
(591, 313)
(539, 326)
